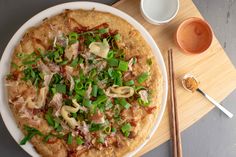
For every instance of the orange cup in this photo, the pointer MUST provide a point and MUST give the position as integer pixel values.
(194, 35)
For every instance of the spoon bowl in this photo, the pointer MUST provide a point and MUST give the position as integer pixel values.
(184, 78)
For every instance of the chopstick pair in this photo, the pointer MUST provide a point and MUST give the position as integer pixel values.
(176, 138)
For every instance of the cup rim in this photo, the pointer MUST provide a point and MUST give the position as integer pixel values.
(154, 21)
(207, 25)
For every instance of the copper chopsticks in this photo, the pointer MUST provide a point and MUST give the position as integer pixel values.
(177, 148)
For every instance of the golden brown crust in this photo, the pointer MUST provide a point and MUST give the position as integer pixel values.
(133, 45)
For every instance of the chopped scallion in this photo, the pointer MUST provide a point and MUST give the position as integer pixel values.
(86, 102)
(101, 140)
(47, 137)
(95, 127)
(31, 132)
(129, 83)
(107, 129)
(124, 103)
(79, 140)
(143, 77)
(123, 66)
(117, 37)
(73, 37)
(113, 129)
(125, 129)
(103, 30)
(113, 62)
(74, 63)
(100, 100)
(110, 54)
(60, 88)
(94, 90)
(69, 138)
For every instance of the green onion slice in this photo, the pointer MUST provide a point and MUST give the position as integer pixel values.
(60, 88)
(69, 138)
(117, 37)
(101, 139)
(123, 66)
(143, 77)
(107, 129)
(73, 37)
(79, 140)
(94, 90)
(74, 63)
(125, 129)
(103, 30)
(129, 83)
(124, 103)
(113, 62)
(31, 133)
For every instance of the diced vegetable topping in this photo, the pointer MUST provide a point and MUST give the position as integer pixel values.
(73, 37)
(69, 138)
(123, 66)
(79, 140)
(124, 103)
(117, 37)
(143, 77)
(125, 129)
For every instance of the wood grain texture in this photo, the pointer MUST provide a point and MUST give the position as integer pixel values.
(212, 68)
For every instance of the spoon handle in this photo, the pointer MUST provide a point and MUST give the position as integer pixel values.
(229, 114)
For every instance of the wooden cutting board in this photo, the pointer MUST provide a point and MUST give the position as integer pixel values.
(213, 69)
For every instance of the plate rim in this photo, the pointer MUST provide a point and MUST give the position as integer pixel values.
(5, 111)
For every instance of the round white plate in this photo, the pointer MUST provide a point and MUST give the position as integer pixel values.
(6, 58)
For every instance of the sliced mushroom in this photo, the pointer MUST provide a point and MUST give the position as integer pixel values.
(60, 40)
(119, 92)
(66, 110)
(56, 102)
(71, 52)
(69, 69)
(100, 49)
(42, 97)
(88, 92)
(47, 79)
(82, 108)
(44, 68)
(72, 83)
(40, 101)
(130, 64)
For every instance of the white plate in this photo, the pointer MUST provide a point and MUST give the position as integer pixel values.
(6, 57)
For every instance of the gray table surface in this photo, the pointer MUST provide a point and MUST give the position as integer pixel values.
(212, 136)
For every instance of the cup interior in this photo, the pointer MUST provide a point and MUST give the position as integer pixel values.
(160, 11)
(194, 35)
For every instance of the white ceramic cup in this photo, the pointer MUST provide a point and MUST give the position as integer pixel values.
(159, 11)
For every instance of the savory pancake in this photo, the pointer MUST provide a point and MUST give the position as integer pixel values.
(84, 83)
